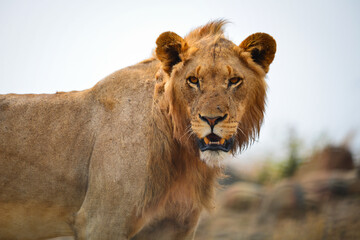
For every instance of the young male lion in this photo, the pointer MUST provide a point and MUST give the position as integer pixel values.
(137, 155)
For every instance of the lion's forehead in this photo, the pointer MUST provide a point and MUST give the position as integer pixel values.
(222, 67)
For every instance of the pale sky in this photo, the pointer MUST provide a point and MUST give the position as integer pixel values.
(314, 81)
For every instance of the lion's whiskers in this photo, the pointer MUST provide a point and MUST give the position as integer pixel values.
(187, 131)
(239, 129)
(191, 134)
(253, 139)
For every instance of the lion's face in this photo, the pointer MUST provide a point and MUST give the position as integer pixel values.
(217, 94)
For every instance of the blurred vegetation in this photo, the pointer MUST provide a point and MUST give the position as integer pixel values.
(274, 170)
(289, 166)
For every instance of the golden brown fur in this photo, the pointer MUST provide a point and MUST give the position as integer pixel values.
(121, 160)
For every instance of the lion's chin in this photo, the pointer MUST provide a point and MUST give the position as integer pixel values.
(213, 158)
(213, 149)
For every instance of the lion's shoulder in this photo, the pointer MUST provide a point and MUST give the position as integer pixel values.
(134, 83)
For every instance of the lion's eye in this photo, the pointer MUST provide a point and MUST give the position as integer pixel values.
(235, 81)
(193, 80)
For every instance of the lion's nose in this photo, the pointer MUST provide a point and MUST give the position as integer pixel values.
(212, 121)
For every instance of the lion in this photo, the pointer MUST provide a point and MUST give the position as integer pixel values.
(136, 156)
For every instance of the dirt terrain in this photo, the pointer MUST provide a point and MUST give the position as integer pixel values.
(321, 201)
(335, 220)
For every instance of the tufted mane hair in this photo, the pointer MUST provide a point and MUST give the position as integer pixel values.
(211, 29)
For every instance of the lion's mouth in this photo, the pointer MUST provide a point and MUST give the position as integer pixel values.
(213, 142)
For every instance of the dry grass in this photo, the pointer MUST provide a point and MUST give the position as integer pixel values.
(311, 228)
(337, 220)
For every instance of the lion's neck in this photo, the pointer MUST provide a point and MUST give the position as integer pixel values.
(174, 170)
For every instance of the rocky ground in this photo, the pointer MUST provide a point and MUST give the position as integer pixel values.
(336, 219)
(321, 201)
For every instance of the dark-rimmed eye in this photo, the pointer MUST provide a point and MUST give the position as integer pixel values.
(235, 81)
(193, 80)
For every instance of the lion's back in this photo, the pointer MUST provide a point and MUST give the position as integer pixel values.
(47, 142)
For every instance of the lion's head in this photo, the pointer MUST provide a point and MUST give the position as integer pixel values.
(215, 89)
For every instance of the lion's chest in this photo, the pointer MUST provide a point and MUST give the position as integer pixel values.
(181, 198)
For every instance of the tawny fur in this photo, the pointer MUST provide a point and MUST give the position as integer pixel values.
(120, 160)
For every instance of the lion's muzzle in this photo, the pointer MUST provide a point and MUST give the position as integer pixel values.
(212, 141)
(212, 121)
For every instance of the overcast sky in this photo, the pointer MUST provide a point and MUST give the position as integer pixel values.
(314, 81)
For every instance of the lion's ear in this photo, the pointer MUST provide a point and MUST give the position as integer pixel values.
(169, 49)
(262, 48)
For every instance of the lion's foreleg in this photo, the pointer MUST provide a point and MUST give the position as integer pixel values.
(106, 224)
(170, 228)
